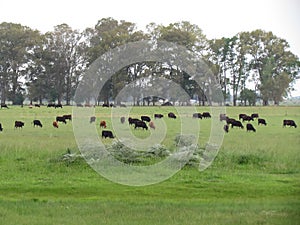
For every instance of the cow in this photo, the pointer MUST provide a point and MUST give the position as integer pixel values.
(58, 105)
(158, 116)
(3, 105)
(230, 120)
(290, 123)
(140, 124)
(254, 115)
(1, 128)
(197, 115)
(171, 115)
(151, 125)
(105, 105)
(223, 117)
(206, 115)
(107, 133)
(102, 124)
(55, 124)
(132, 120)
(68, 117)
(226, 128)
(19, 124)
(51, 105)
(122, 119)
(37, 123)
(37, 105)
(247, 118)
(237, 123)
(92, 119)
(145, 118)
(250, 127)
(241, 116)
(261, 121)
(61, 119)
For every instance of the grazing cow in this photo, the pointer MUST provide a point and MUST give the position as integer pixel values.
(132, 120)
(151, 125)
(247, 118)
(223, 117)
(51, 105)
(206, 115)
(19, 124)
(262, 121)
(158, 116)
(241, 116)
(226, 128)
(254, 115)
(37, 123)
(237, 123)
(58, 106)
(197, 115)
(230, 120)
(145, 118)
(102, 124)
(1, 129)
(250, 127)
(37, 105)
(290, 123)
(105, 105)
(55, 124)
(67, 117)
(122, 119)
(61, 119)
(107, 133)
(3, 105)
(140, 124)
(171, 115)
(92, 119)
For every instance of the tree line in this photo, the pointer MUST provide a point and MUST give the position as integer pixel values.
(49, 66)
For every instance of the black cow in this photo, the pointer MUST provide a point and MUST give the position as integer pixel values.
(58, 106)
(250, 127)
(290, 123)
(122, 119)
(206, 115)
(37, 123)
(61, 119)
(107, 133)
(145, 118)
(254, 115)
(226, 128)
(132, 120)
(223, 117)
(68, 117)
(241, 116)
(261, 121)
(247, 118)
(197, 115)
(19, 124)
(51, 105)
(141, 124)
(230, 120)
(158, 116)
(1, 129)
(3, 105)
(92, 119)
(37, 105)
(237, 123)
(171, 115)
(105, 105)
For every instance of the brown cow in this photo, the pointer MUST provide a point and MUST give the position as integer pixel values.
(102, 124)
(55, 124)
(151, 125)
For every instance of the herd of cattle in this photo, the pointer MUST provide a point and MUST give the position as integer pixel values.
(145, 121)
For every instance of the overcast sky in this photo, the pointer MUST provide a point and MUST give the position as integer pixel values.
(216, 18)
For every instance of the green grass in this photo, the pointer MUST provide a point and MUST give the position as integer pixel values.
(255, 178)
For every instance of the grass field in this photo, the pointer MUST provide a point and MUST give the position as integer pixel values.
(255, 178)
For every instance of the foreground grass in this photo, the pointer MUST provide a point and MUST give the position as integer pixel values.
(255, 178)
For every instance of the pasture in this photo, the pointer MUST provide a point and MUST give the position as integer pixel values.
(255, 178)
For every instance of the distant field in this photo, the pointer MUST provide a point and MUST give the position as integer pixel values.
(255, 178)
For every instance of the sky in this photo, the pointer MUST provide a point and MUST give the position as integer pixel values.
(217, 18)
